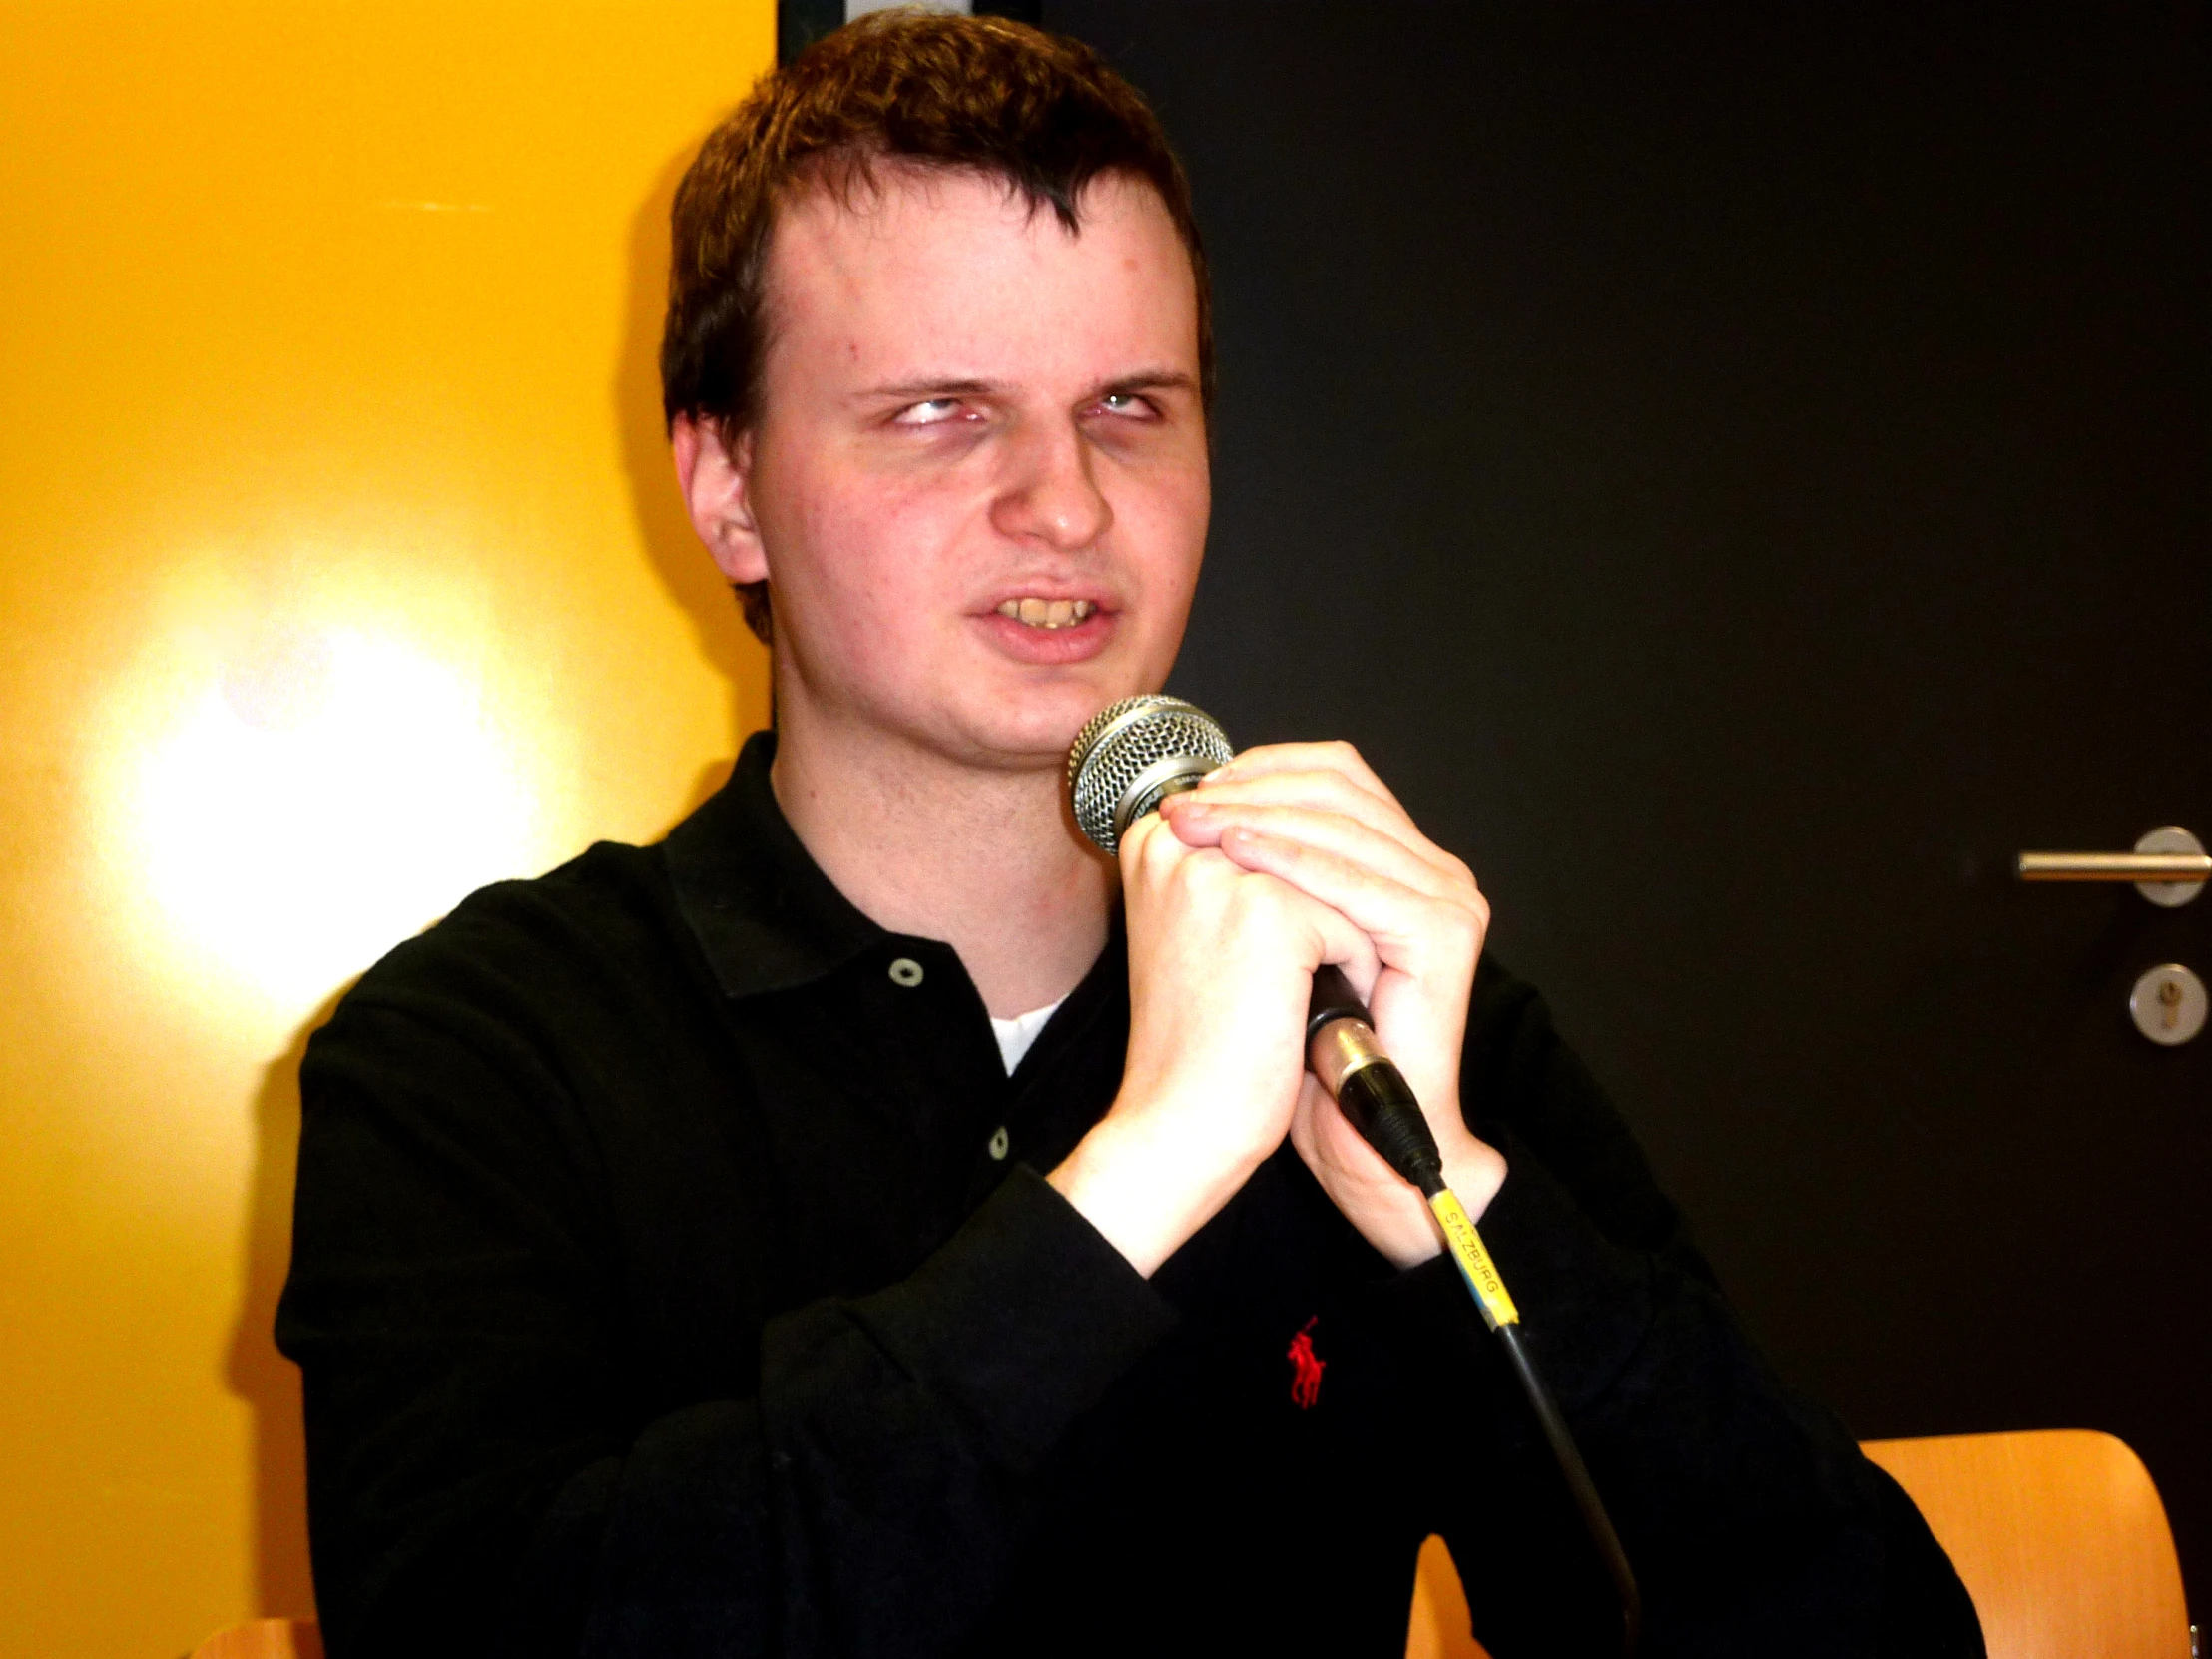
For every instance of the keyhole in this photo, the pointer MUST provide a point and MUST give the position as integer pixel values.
(2169, 999)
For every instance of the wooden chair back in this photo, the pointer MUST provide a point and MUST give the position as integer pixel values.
(2060, 1537)
(1438, 1628)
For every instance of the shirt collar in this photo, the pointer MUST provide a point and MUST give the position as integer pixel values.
(760, 907)
(768, 918)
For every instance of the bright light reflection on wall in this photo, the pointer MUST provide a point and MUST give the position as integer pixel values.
(324, 794)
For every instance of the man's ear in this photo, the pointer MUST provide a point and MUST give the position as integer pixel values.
(716, 478)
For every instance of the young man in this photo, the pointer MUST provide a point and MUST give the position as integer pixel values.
(682, 1268)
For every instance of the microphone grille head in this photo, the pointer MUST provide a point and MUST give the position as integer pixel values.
(1133, 753)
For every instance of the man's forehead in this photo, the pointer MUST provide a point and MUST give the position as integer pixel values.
(909, 246)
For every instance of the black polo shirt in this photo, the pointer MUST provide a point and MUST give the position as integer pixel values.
(673, 1276)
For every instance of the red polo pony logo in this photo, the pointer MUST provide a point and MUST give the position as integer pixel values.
(1305, 1367)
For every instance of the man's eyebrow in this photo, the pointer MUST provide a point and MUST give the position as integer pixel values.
(1150, 379)
(917, 390)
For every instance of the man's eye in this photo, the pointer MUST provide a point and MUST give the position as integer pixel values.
(934, 412)
(1124, 404)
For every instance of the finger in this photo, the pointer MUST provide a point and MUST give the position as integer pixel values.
(1342, 946)
(1336, 760)
(1335, 1151)
(1336, 755)
(1203, 824)
(1151, 856)
(1330, 934)
(1304, 786)
(1405, 924)
(1149, 848)
(1318, 789)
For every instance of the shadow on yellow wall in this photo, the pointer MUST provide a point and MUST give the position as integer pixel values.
(256, 1373)
(345, 573)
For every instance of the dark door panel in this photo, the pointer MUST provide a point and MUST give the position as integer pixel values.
(1744, 473)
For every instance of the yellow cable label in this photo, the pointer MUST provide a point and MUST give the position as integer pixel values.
(1474, 1260)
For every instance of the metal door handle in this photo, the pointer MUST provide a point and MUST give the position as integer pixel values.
(2115, 866)
(2169, 866)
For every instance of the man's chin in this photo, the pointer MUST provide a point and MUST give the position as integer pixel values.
(1032, 727)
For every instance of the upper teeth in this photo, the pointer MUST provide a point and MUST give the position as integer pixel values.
(1046, 613)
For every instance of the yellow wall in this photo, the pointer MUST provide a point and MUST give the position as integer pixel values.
(339, 572)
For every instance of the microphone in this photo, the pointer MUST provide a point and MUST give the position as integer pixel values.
(1133, 754)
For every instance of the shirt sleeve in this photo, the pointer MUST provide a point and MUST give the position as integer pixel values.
(1753, 1523)
(482, 1478)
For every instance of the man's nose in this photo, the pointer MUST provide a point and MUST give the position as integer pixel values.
(1050, 492)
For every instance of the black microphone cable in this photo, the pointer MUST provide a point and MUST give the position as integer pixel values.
(1373, 1094)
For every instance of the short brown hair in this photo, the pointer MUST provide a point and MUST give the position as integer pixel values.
(932, 89)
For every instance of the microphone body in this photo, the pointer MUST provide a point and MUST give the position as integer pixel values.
(1342, 1051)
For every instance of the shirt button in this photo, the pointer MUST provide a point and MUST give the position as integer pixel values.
(907, 971)
(1000, 1144)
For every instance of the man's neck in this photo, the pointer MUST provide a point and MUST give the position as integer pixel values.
(981, 858)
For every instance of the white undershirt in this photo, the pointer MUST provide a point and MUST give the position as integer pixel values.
(1016, 1034)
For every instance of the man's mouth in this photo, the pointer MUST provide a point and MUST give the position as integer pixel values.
(1046, 613)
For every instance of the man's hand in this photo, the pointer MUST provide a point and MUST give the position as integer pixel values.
(1317, 818)
(1289, 857)
(1221, 961)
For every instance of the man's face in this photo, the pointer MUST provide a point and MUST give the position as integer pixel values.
(979, 476)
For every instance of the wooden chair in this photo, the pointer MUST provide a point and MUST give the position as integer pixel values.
(264, 1639)
(2059, 1536)
(1438, 1629)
